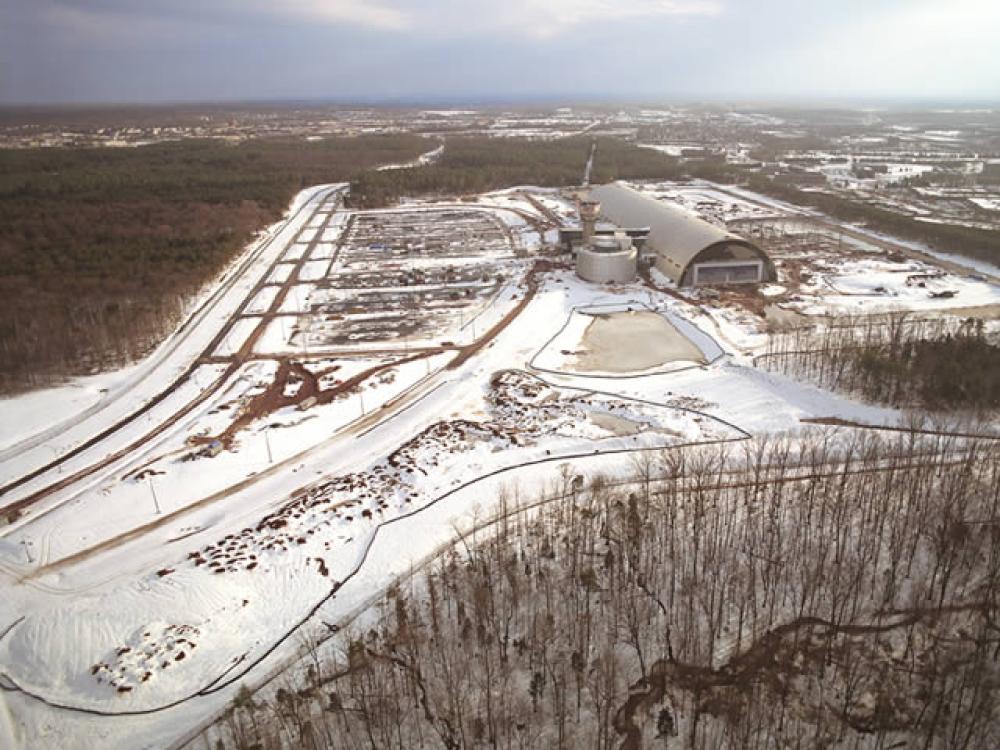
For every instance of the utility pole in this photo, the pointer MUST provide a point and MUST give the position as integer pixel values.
(267, 442)
(24, 543)
(361, 398)
(152, 491)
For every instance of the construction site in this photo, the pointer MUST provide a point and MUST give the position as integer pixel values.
(367, 384)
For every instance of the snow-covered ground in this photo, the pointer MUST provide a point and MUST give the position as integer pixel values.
(153, 588)
(229, 619)
(37, 426)
(428, 158)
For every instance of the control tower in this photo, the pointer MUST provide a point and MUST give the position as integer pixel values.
(589, 211)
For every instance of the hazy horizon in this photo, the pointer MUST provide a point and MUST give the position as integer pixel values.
(542, 102)
(397, 52)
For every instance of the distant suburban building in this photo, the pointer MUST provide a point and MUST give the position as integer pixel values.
(687, 249)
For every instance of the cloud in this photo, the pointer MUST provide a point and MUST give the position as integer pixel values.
(103, 19)
(548, 18)
(102, 24)
(440, 19)
(542, 19)
(365, 13)
(454, 18)
(141, 49)
(920, 48)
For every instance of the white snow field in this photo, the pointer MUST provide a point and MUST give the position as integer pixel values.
(341, 421)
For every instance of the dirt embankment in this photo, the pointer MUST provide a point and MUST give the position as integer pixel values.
(296, 385)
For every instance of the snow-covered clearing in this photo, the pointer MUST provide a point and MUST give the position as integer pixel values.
(428, 158)
(876, 285)
(314, 270)
(263, 301)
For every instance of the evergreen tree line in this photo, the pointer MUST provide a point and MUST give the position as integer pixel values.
(102, 249)
(477, 164)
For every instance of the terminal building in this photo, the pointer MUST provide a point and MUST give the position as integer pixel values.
(684, 247)
(607, 259)
(608, 255)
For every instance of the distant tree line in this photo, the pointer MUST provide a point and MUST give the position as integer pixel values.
(101, 249)
(476, 164)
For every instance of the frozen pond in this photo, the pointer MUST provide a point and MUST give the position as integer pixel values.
(633, 341)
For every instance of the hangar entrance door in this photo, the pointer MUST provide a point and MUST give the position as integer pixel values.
(732, 272)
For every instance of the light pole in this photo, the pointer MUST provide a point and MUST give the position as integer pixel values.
(267, 442)
(152, 491)
(55, 456)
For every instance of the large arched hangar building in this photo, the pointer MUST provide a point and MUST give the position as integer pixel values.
(688, 250)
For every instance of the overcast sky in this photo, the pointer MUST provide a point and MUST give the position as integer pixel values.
(503, 50)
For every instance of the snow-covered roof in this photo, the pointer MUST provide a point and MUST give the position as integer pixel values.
(673, 231)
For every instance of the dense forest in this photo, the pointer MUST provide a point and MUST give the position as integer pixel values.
(477, 164)
(901, 360)
(102, 249)
(835, 589)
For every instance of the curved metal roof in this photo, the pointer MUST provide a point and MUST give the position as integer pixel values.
(673, 231)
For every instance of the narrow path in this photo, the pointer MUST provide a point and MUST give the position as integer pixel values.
(590, 164)
(748, 667)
